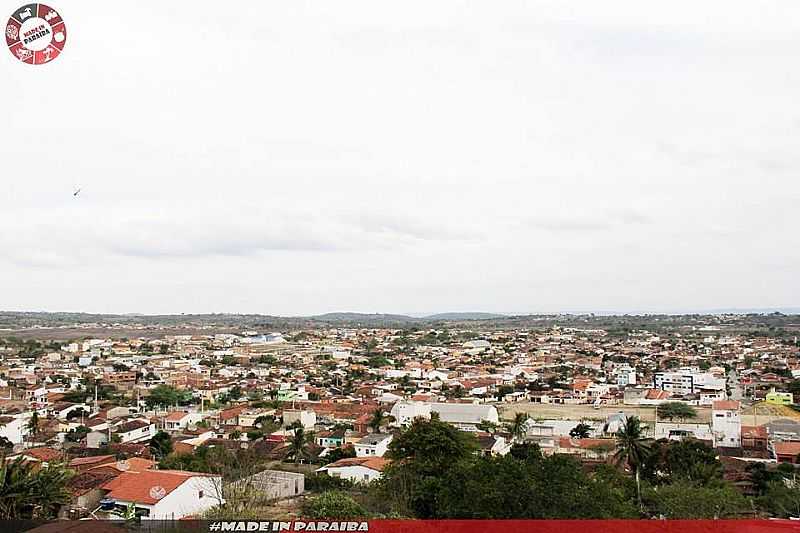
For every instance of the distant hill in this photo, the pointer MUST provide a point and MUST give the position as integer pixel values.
(464, 316)
(365, 318)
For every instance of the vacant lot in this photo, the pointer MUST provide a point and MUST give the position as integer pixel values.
(761, 413)
(578, 412)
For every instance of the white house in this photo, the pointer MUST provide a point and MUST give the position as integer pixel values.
(178, 420)
(356, 469)
(135, 431)
(465, 416)
(687, 381)
(14, 427)
(373, 445)
(165, 494)
(307, 418)
(405, 412)
(726, 424)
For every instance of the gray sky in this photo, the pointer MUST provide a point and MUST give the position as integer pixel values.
(292, 157)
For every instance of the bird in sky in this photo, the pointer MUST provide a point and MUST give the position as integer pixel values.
(76, 193)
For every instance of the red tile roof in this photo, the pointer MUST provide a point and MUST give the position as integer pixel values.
(141, 487)
(374, 463)
(133, 464)
(93, 459)
(42, 454)
(731, 405)
(787, 448)
(754, 432)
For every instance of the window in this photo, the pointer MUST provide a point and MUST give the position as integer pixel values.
(200, 494)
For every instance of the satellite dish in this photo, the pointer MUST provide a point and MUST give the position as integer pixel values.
(158, 492)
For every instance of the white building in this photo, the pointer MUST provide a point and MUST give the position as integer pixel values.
(405, 412)
(686, 381)
(178, 420)
(373, 445)
(307, 418)
(165, 494)
(135, 431)
(356, 469)
(681, 430)
(465, 416)
(14, 427)
(625, 376)
(726, 424)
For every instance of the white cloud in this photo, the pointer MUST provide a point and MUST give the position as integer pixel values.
(295, 157)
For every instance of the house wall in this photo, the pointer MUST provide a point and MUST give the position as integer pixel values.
(356, 474)
(404, 413)
(727, 428)
(95, 439)
(14, 430)
(139, 434)
(372, 450)
(185, 500)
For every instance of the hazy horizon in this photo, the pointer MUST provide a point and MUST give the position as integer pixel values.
(788, 310)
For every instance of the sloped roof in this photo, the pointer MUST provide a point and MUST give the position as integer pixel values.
(373, 463)
(731, 405)
(787, 448)
(139, 486)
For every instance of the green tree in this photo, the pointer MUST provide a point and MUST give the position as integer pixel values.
(581, 431)
(166, 395)
(679, 410)
(684, 500)
(235, 393)
(161, 445)
(780, 499)
(29, 492)
(487, 426)
(77, 434)
(688, 460)
(33, 424)
(342, 452)
(334, 505)
(540, 488)
(633, 449)
(379, 419)
(525, 451)
(422, 456)
(298, 445)
(517, 426)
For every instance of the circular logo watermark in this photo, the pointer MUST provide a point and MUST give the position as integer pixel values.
(36, 34)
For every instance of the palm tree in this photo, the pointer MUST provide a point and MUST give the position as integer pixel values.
(298, 446)
(581, 431)
(379, 419)
(517, 426)
(33, 424)
(27, 492)
(633, 449)
(50, 491)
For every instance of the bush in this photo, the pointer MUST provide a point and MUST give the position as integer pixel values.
(324, 482)
(334, 504)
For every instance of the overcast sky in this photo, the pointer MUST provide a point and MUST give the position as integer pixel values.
(291, 157)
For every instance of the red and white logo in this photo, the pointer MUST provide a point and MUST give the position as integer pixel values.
(36, 34)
